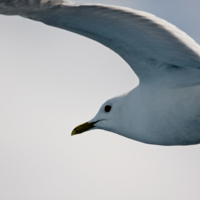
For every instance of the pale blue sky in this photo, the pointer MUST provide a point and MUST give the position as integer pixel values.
(53, 80)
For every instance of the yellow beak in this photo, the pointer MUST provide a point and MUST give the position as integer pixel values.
(83, 128)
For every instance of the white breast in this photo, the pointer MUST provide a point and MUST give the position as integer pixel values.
(164, 116)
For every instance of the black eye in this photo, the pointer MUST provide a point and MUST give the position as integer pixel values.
(107, 108)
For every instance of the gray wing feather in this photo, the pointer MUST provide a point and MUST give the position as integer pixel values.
(143, 40)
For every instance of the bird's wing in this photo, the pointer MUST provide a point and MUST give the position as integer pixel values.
(155, 49)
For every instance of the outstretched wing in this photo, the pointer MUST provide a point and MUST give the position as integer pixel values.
(154, 48)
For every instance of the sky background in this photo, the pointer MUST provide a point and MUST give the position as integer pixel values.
(51, 81)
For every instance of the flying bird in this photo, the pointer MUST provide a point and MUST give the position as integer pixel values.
(164, 109)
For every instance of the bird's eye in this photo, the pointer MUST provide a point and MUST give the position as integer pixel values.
(107, 108)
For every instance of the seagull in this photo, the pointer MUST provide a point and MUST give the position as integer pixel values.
(164, 109)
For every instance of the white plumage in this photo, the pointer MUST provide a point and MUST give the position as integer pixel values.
(165, 108)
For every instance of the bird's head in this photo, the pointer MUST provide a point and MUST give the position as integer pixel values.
(108, 118)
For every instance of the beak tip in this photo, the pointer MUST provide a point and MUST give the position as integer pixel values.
(73, 133)
(82, 128)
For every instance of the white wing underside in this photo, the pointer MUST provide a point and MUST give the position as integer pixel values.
(156, 50)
